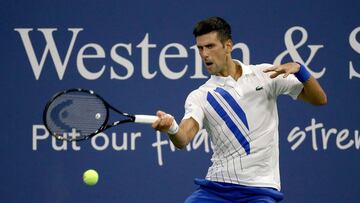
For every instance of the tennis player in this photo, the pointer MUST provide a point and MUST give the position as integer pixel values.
(237, 106)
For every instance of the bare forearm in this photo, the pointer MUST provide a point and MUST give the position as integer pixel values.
(180, 140)
(313, 92)
(180, 135)
(187, 131)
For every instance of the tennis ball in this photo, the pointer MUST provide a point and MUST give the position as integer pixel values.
(90, 177)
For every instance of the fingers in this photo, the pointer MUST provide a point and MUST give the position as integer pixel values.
(276, 71)
(164, 122)
(160, 113)
(273, 68)
(274, 75)
(286, 74)
(286, 69)
(156, 123)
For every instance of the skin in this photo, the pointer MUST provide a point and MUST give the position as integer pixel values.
(217, 58)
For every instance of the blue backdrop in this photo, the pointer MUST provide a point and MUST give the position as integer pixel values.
(140, 56)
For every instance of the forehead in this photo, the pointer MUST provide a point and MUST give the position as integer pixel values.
(209, 38)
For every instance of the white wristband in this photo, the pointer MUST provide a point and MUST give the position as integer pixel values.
(174, 128)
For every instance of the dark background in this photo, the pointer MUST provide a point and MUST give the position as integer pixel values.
(315, 171)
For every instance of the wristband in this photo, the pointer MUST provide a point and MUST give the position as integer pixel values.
(303, 74)
(174, 128)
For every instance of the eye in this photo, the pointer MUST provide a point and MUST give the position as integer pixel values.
(210, 46)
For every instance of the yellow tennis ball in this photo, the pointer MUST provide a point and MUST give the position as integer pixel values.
(90, 177)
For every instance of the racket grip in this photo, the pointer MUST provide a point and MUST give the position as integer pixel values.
(145, 119)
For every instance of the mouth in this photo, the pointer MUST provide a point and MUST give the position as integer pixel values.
(208, 63)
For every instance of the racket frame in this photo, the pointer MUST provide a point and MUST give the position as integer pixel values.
(104, 126)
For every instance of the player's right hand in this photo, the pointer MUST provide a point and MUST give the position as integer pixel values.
(164, 122)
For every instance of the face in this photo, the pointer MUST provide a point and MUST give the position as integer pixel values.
(214, 53)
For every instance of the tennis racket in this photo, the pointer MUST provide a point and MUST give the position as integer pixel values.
(84, 112)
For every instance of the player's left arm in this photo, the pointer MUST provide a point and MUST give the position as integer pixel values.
(312, 91)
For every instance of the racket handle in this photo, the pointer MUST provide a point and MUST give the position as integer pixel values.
(145, 119)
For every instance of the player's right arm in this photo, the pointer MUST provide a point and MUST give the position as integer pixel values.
(184, 134)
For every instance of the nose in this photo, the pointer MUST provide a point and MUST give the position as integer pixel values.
(204, 54)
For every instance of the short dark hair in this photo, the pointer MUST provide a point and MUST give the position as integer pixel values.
(211, 24)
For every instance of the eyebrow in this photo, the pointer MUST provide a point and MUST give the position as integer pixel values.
(206, 45)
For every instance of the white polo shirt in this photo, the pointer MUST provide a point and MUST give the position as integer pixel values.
(241, 119)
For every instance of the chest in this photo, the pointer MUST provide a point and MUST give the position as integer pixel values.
(245, 103)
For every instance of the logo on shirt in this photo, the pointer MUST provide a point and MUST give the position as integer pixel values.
(258, 88)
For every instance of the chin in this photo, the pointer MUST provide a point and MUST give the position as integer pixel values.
(210, 72)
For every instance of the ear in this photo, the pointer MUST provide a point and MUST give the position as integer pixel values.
(228, 46)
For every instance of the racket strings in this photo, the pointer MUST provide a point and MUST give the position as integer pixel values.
(79, 112)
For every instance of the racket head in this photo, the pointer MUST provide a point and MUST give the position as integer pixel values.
(75, 114)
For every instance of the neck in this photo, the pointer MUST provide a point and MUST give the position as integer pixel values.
(233, 69)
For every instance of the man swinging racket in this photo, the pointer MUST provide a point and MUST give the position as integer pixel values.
(237, 106)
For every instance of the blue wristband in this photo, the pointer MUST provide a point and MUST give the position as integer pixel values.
(302, 75)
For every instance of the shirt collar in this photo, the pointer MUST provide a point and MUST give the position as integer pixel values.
(246, 70)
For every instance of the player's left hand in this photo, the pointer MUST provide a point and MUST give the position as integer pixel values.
(286, 69)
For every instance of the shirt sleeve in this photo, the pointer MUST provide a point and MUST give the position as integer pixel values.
(281, 86)
(193, 108)
(288, 86)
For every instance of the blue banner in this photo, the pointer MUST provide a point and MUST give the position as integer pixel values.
(141, 57)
